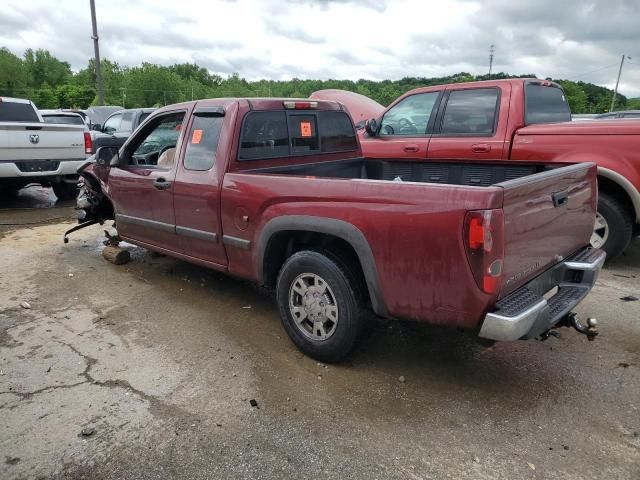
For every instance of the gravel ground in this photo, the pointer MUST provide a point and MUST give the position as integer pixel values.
(148, 371)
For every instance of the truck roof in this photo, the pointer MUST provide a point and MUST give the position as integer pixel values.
(262, 103)
(484, 83)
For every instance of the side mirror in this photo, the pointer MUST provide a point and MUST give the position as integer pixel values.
(96, 127)
(107, 157)
(371, 127)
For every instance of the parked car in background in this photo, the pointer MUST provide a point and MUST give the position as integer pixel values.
(63, 117)
(99, 113)
(277, 191)
(519, 123)
(118, 126)
(621, 114)
(32, 151)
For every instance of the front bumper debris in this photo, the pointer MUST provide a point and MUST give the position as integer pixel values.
(526, 313)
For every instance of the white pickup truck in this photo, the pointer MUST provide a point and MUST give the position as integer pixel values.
(32, 151)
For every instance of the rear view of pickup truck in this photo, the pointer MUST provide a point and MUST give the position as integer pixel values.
(277, 191)
(32, 151)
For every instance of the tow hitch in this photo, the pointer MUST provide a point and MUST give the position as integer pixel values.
(571, 320)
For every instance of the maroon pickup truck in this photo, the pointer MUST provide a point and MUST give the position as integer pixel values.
(277, 191)
(524, 123)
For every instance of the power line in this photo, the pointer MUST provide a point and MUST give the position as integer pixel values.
(576, 77)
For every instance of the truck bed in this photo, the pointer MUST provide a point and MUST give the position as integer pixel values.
(451, 173)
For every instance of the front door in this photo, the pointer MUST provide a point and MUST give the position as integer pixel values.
(142, 184)
(197, 185)
(405, 129)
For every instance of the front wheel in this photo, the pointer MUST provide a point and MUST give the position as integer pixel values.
(613, 226)
(318, 306)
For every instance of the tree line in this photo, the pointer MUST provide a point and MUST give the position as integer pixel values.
(50, 83)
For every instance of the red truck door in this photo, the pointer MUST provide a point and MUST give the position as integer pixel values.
(471, 124)
(405, 129)
(142, 187)
(197, 185)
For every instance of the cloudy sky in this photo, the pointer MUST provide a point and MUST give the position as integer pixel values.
(375, 39)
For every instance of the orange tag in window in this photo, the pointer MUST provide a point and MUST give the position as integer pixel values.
(196, 136)
(305, 129)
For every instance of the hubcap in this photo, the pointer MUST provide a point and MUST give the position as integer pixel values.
(313, 306)
(600, 232)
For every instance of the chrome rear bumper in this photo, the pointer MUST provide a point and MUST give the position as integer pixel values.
(526, 313)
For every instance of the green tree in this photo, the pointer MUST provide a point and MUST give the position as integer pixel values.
(43, 68)
(13, 75)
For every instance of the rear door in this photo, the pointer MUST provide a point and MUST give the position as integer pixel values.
(471, 124)
(197, 184)
(547, 216)
(405, 129)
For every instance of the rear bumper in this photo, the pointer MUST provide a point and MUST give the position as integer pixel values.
(526, 313)
(40, 168)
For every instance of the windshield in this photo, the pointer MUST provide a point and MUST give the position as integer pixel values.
(545, 104)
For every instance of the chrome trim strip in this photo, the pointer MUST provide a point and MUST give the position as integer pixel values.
(594, 265)
(199, 234)
(236, 242)
(499, 327)
(144, 222)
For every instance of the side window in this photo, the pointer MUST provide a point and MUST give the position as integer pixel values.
(410, 116)
(264, 135)
(156, 144)
(127, 122)
(112, 124)
(470, 112)
(203, 142)
(336, 132)
(304, 133)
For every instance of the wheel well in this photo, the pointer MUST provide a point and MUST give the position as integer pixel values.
(611, 188)
(285, 243)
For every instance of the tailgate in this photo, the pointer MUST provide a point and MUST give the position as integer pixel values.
(40, 141)
(547, 217)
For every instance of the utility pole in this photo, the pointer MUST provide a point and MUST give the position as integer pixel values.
(96, 50)
(492, 49)
(615, 90)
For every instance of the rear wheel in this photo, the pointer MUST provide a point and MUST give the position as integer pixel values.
(65, 191)
(319, 306)
(613, 226)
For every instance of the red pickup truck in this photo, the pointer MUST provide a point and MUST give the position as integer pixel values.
(524, 123)
(277, 191)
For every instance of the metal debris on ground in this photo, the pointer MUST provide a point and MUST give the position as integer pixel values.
(253, 403)
(629, 298)
(88, 431)
(25, 305)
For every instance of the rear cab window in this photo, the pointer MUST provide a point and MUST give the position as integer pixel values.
(63, 119)
(545, 104)
(281, 134)
(17, 112)
(470, 112)
(202, 142)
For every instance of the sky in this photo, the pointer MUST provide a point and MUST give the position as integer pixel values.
(344, 39)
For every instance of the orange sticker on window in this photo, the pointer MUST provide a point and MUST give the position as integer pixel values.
(305, 129)
(196, 136)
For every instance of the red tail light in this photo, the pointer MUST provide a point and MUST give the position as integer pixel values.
(484, 243)
(88, 144)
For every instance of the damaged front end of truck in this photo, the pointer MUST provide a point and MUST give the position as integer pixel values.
(92, 204)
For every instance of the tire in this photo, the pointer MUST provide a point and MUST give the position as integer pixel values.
(65, 191)
(8, 191)
(614, 226)
(329, 296)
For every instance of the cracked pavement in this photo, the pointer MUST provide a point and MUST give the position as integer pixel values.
(157, 362)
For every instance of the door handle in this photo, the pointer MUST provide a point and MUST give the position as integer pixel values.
(480, 148)
(560, 198)
(411, 148)
(161, 183)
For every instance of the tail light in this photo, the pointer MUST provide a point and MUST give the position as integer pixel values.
(88, 144)
(484, 244)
